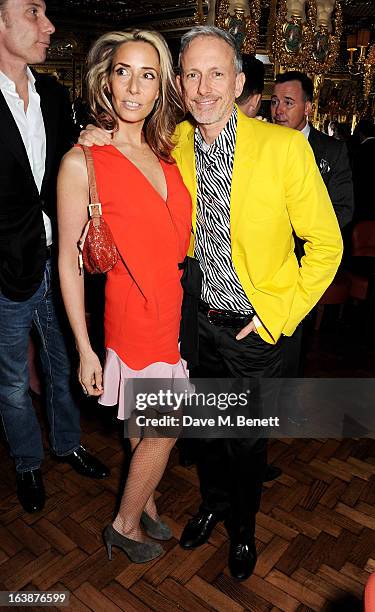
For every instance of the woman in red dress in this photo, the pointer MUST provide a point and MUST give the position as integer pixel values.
(132, 92)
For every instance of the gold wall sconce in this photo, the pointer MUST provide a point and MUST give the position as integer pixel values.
(240, 17)
(307, 35)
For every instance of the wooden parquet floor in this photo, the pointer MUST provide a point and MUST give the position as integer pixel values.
(315, 535)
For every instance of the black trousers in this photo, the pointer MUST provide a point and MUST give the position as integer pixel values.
(231, 471)
(292, 358)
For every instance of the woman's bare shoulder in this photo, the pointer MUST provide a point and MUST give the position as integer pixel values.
(73, 160)
(74, 155)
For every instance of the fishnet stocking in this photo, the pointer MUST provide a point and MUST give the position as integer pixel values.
(150, 507)
(149, 460)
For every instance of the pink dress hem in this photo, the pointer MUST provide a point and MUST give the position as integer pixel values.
(117, 376)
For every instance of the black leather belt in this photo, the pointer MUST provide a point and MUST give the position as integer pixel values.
(49, 251)
(224, 318)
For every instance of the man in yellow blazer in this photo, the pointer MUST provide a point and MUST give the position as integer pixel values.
(252, 184)
(275, 189)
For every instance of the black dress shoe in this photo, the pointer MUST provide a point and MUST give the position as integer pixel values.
(242, 557)
(272, 472)
(85, 464)
(30, 490)
(198, 530)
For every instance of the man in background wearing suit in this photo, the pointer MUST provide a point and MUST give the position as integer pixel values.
(35, 132)
(291, 105)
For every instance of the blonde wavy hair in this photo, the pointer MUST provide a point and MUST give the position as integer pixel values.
(161, 123)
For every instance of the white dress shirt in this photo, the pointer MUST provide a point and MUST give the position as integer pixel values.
(31, 127)
(306, 130)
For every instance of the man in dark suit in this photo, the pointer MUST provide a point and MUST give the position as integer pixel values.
(35, 132)
(291, 105)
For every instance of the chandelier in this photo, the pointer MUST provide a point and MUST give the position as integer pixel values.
(356, 45)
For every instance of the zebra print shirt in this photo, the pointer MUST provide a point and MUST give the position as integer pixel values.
(221, 287)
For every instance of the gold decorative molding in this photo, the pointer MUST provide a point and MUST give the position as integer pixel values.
(293, 39)
(271, 28)
(241, 18)
(300, 45)
(369, 72)
(318, 84)
(172, 24)
(323, 60)
(222, 11)
(199, 13)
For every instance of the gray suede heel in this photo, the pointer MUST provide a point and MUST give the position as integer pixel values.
(138, 552)
(156, 529)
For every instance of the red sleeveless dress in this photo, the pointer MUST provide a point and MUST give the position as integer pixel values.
(143, 293)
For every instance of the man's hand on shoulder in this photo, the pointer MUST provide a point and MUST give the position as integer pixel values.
(93, 135)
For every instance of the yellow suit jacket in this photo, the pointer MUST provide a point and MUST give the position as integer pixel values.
(276, 187)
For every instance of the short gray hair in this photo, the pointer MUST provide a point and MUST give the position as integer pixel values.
(213, 32)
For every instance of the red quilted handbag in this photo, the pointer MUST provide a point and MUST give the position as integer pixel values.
(97, 250)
